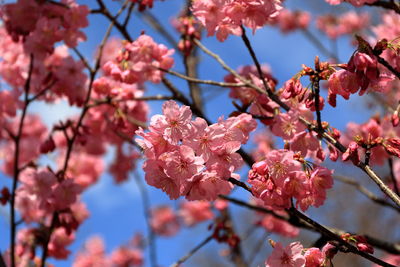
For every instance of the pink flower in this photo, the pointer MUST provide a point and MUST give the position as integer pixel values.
(290, 256)
(93, 254)
(123, 164)
(314, 257)
(321, 180)
(65, 194)
(203, 138)
(125, 256)
(342, 83)
(289, 21)
(164, 221)
(195, 212)
(287, 125)
(58, 242)
(304, 142)
(182, 164)
(281, 227)
(174, 124)
(155, 176)
(139, 61)
(207, 186)
(224, 17)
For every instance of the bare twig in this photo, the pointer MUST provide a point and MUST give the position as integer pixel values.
(155, 24)
(146, 209)
(195, 80)
(392, 176)
(191, 252)
(366, 192)
(316, 42)
(83, 59)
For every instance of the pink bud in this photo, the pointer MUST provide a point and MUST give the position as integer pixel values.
(260, 167)
(47, 146)
(333, 153)
(365, 248)
(351, 152)
(395, 119)
(329, 250)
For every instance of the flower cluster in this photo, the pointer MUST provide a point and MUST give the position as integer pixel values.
(56, 76)
(347, 23)
(289, 21)
(295, 255)
(360, 73)
(281, 176)
(41, 24)
(189, 28)
(257, 103)
(377, 135)
(189, 158)
(140, 61)
(224, 17)
(94, 254)
(41, 194)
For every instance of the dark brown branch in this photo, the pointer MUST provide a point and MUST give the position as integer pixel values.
(390, 5)
(240, 184)
(113, 19)
(17, 140)
(381, 244)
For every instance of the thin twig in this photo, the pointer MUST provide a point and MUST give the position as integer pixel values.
(146, 210)
(316, 42)
(392, 176)
(17, 140)
(366, 192)
(240, 184)
(155, 24)
(195, 80)
(83, 59)
(128, 16)
(258, 247)
(191, 252)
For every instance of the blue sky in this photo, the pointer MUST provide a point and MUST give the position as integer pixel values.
(116, 211)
